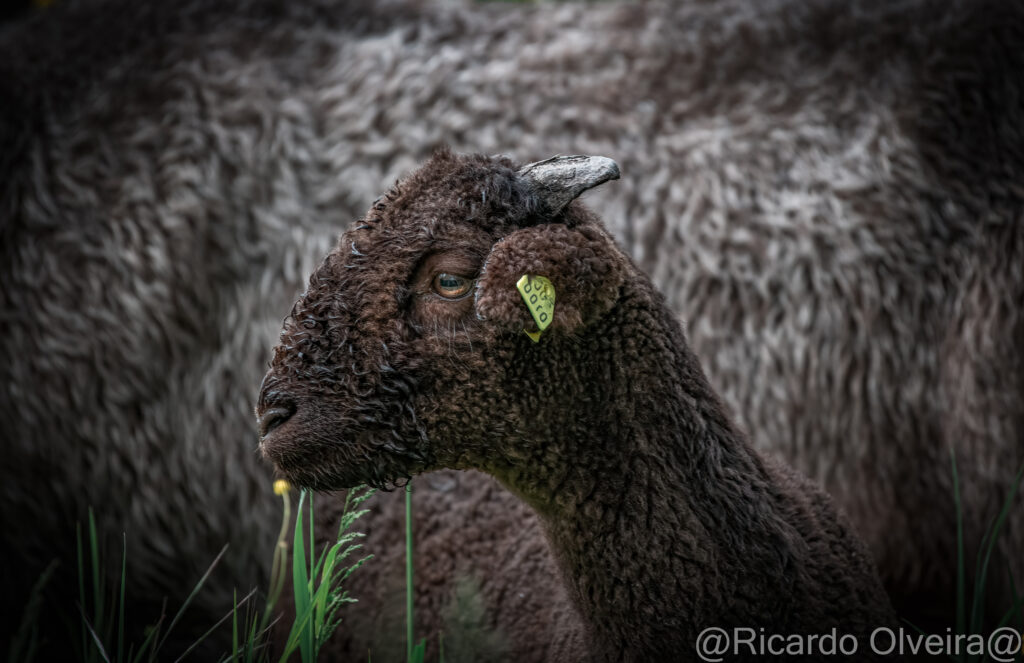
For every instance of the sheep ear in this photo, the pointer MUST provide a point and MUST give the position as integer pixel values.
(561, 179)
(582, 263)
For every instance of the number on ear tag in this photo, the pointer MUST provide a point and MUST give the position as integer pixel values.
(539, 295)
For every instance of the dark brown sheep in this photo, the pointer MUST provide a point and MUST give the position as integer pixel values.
(407, 354)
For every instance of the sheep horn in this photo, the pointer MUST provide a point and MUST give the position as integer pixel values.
(560, 179)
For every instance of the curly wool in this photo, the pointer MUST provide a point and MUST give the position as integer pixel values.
(827, 192)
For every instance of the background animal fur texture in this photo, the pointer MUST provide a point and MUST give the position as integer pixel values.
(827, 192)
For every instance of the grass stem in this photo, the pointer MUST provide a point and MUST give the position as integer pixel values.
(408, 573)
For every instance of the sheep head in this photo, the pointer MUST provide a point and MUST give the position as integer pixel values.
(406, 353)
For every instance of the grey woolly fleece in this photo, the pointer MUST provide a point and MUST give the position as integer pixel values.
(828, 192)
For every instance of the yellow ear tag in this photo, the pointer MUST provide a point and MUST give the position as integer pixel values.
(539, 295)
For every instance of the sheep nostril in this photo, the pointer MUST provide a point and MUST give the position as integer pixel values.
(274, 417)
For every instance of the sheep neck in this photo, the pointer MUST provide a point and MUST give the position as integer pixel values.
(652, 463)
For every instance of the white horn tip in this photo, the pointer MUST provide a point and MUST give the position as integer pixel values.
(561, 179)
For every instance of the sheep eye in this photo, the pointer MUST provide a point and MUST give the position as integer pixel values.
(451, 286)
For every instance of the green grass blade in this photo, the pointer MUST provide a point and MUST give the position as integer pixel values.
(234, 626)
(192, 595)
(419, 652)
(1018, 599)
(977, 607)
(22, 646)
(312, 542)
(990, 545)
(95, 637)
(408, 574)
(300, 583)
(251, 644)
(151, 645)
(120, 603)
(314, 565)
(295, 637)
(961, 571)
(209, 631)
(1014, 611)
(97, 583)
(323, 592)
(146, 649)
(256, 638)
(81, 584)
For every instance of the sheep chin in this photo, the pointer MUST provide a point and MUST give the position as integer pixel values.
(326, 476)
(358, 461)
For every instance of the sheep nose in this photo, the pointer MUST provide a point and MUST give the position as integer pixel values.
(273, 417)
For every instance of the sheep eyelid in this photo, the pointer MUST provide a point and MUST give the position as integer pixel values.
(435, 288)
(469, 291)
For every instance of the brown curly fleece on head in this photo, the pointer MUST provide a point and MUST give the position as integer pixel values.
(663, 518)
